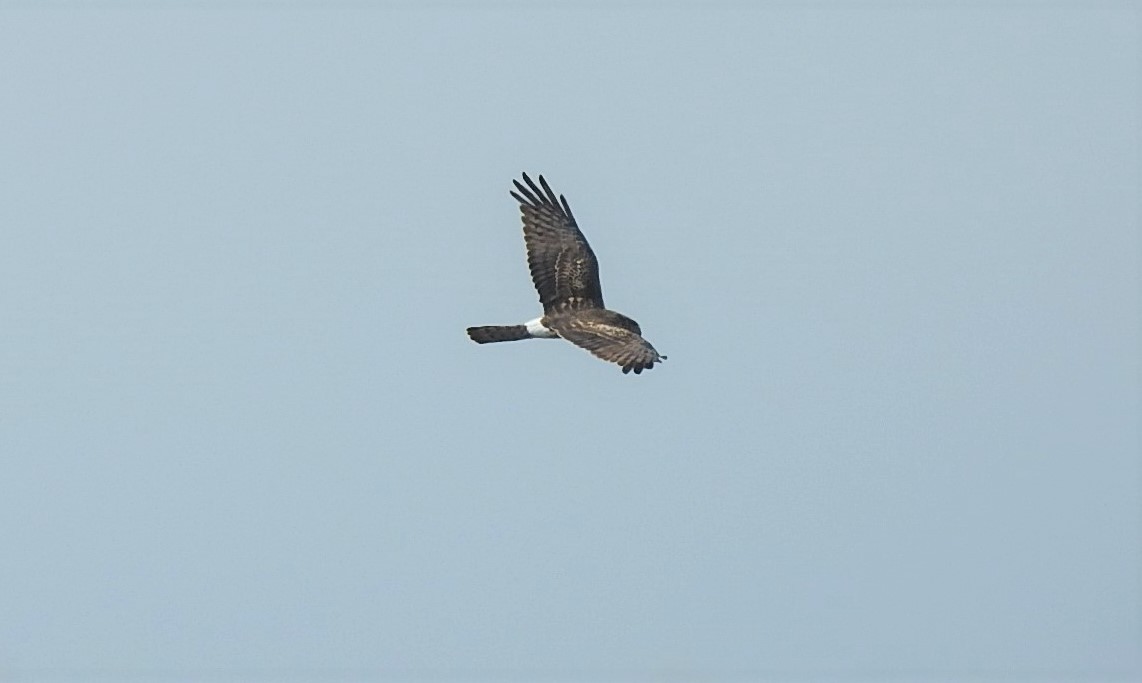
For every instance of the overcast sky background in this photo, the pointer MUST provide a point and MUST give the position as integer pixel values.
(892, 252)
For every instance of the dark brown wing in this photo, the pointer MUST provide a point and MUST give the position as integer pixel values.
(563, 267)
(610, 342)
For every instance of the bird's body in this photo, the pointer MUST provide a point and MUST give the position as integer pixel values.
(566, 275)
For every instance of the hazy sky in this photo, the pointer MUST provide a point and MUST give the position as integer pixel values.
(892, 253)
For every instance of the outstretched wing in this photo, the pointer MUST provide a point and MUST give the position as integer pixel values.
(563, 267)
(610, 342)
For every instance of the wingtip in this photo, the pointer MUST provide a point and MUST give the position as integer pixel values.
(546, 187)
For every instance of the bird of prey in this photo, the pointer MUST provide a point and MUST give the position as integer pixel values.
(566, 275)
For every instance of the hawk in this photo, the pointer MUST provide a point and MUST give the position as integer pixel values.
(566, 275)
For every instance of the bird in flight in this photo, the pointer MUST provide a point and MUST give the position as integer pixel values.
(566, 275)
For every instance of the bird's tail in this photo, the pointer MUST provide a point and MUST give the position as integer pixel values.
(498, 333)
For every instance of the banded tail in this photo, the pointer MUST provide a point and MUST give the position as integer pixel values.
(498, 333)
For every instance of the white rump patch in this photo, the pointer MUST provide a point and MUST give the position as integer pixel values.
(537, 329)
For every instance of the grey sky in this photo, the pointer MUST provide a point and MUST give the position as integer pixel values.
(892, 253)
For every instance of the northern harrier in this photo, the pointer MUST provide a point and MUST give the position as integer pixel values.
(566, 274)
